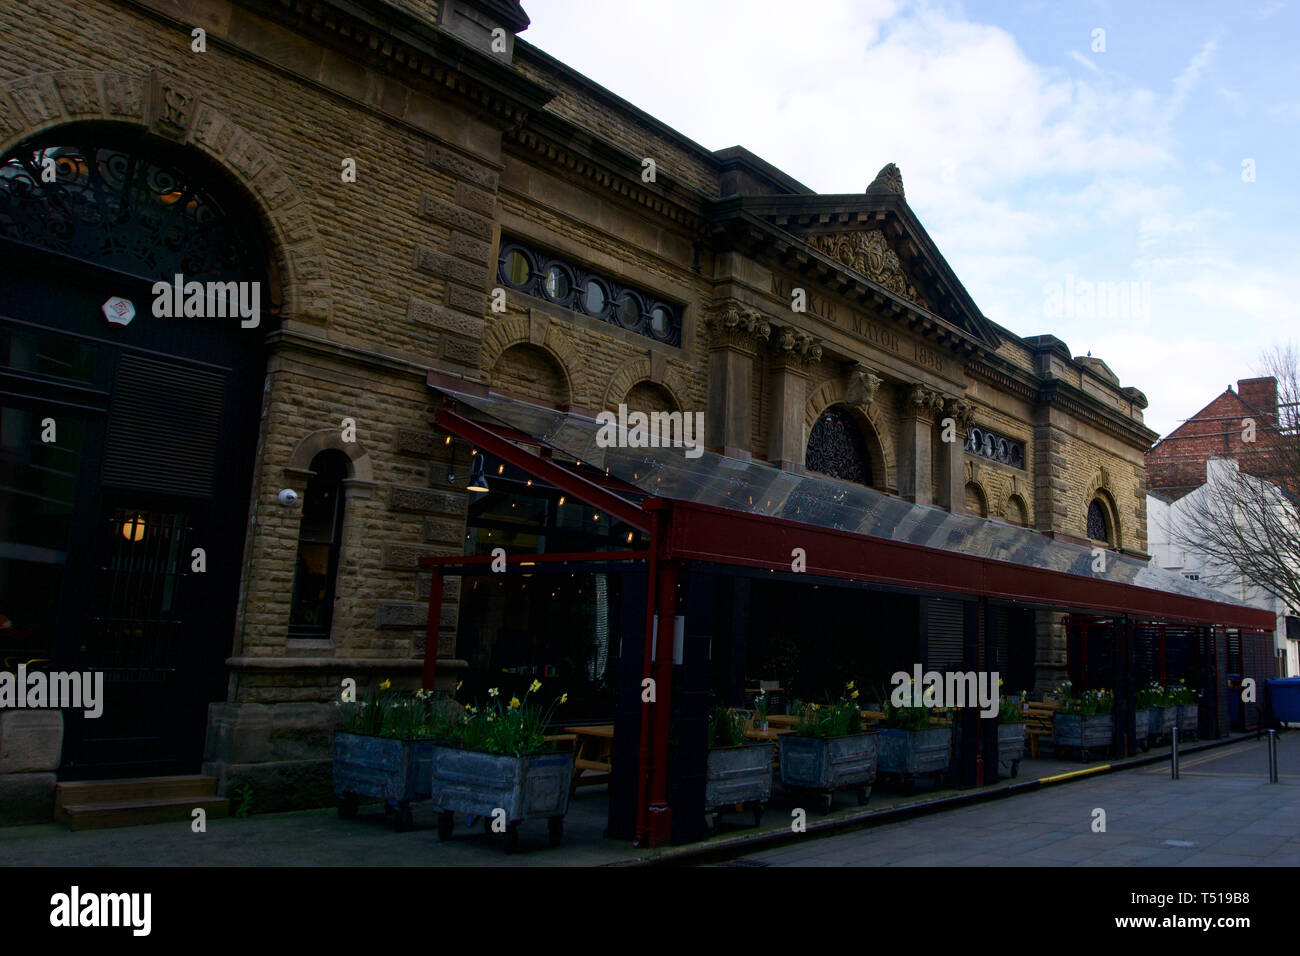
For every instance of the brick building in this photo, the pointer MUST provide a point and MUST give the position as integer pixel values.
(1237, 424)
(1236, 430)
(425, 198)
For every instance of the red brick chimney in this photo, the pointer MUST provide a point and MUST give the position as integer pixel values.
(1260, 394)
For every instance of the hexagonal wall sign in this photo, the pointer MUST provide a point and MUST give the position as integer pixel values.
(119, 311)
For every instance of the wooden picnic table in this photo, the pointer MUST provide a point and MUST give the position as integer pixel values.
(594, 743)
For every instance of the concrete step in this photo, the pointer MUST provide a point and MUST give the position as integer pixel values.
(135, 789)
(130, 813)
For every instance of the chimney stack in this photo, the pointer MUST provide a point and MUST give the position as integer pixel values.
(1260, 394)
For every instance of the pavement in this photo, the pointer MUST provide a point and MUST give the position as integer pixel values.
(1222, 811)
(1223, 806)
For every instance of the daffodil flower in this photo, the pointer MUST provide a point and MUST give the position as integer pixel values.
(854, 695)
(514, 702)
(564, 698)
(493, 691)
(385, 685)
(535, 686)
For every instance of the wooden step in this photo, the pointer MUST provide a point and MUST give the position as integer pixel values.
(129, 813)
(135, 789)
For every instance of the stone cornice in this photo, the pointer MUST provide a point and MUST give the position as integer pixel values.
(408, 47)
(1039, 391)
(1083, 406)
(554, 140)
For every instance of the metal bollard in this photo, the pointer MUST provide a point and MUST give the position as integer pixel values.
(1272, 756)
(1173, 752)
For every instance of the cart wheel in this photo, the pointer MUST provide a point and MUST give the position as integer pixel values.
(864, 794)
(555, 830)
(348, 806)
(446, 820)
(1015, 768)
(825, 801)
(512, 837)
(403, 818)
(758, 813)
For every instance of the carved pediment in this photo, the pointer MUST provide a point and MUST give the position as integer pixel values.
(868, 252)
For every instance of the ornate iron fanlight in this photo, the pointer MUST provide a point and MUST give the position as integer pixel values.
(129, 203)
(836, 448)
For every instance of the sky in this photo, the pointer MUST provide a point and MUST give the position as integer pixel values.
(1123, 175)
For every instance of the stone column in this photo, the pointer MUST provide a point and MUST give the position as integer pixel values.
(950, 458)
(735, 333)
(915, 458)
(793, 352)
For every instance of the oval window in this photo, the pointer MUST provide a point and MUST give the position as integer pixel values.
(594, 298)
(517, 268)
(660, 321)
(557, 283)
(629, 310)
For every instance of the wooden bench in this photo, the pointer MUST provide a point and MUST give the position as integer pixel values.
(1038, 722)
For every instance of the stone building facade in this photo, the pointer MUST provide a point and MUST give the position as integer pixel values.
(393, 155)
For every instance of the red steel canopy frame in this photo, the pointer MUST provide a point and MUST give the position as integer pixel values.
(686, 531)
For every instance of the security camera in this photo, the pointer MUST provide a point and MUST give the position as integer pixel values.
(287, 497)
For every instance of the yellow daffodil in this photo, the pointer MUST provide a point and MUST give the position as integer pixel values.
(385, 685)
(564, 698)
(535, 686)
(490, 718)
(854, 695)
(467, 708)
(514, 702)
(850, 685)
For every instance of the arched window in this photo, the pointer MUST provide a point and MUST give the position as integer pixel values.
(836, 448)
(1098, 523)
(320, 537)
(976, 502)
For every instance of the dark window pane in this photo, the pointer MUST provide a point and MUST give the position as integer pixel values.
(319, 539)
(517, 269)
(557, 283)
(594, 298)
(40, 484)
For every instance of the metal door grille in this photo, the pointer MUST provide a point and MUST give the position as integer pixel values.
(142, 579)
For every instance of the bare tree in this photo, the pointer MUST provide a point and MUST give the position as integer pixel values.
(1245, 520)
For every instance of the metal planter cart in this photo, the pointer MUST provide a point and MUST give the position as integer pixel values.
(1188, 717)
(1161, 721)
(1011, 745)
(1083, 733)
(480, 784)
(738, 775)
(381, 768)
(1142, 725)
(910, 755)
(825, 764)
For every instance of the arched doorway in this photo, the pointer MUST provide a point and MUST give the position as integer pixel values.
(129, 429)
(838, 447)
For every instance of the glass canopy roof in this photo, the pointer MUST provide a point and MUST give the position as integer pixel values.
(759, 488)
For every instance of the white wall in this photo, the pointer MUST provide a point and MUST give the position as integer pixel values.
(1163, 517)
